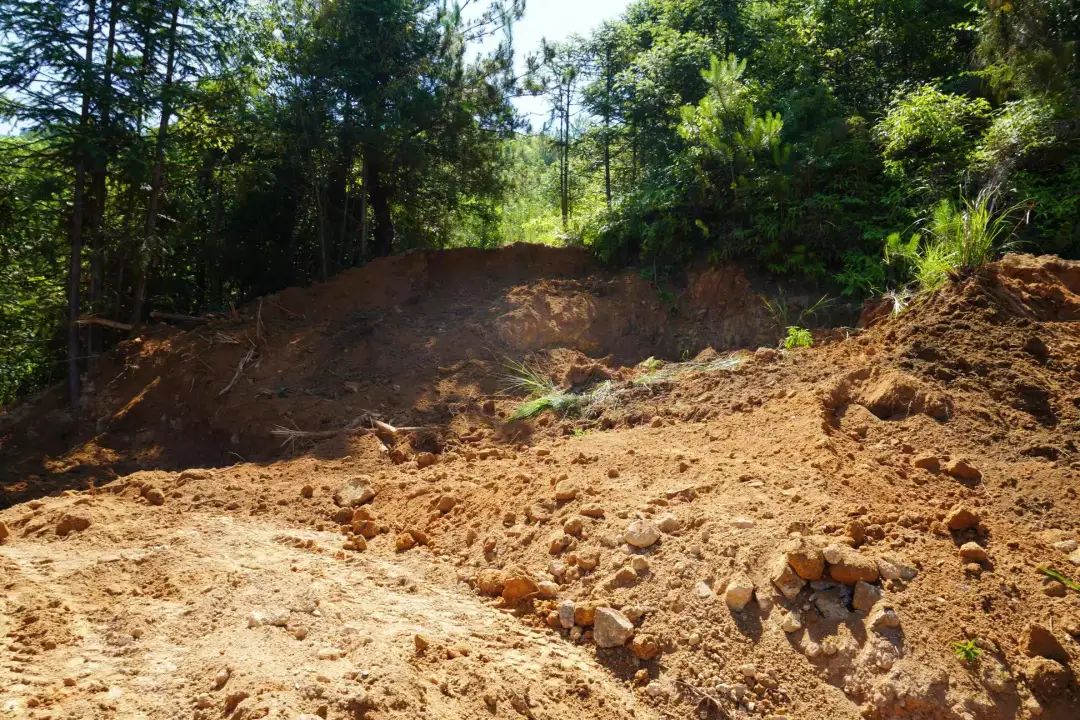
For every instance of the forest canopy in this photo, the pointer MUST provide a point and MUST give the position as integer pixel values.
(188, 155)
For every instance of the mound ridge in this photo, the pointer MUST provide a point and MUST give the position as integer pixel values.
(798, 534)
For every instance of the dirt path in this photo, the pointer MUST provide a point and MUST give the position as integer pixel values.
(200, 615)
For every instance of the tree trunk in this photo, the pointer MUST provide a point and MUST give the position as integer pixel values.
(99, 189)
(379, 197)
(364, 175)
(607, 125)
(158, 171)
(75, 229)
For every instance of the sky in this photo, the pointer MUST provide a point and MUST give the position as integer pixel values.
(556, 20)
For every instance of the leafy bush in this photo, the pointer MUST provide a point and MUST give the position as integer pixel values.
(798, 337)
(927, 136)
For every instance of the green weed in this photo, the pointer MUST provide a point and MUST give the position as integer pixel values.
(955, 238)
(1061, 578)
(798, 337)
(967, 651)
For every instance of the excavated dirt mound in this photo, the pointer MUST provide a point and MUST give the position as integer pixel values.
(857, 530)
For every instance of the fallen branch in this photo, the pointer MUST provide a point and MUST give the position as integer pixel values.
(294, 435)
(105, 322)
(177, 317)
(239, 370)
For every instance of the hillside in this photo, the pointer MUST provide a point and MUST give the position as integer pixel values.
(322, 507)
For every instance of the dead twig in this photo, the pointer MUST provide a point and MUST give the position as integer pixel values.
(294, 434)
(104, 322)
(179, 317)
(239, 370)
(707, 704)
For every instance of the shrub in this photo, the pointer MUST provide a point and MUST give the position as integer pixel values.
(927, 136)
(798, 337)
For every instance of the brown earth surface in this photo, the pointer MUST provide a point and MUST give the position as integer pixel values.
(164, 555)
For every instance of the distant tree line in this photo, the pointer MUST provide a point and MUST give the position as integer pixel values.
(187, 155)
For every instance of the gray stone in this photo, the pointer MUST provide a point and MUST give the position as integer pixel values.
(611, 628)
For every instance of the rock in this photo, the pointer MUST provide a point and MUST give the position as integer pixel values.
(404, 541)
(743, 523)
(850, 566)
(1038, 641)
(668, 523)
(565, 490)
(547, 589)
(806, 559)
(328, 653)
(611, 628)
(972, 552)
(490, 582)
(588, 560)
(623, 577)
(592, 511)
(421, 643)
(883, 617)
(702, 590)
(831, 604)
(1048, 679)
(4, 532)
(584, 614)
(154, 496)
(866, 596)
(426, 459)
(518, 587)
(963, 470)
(72, 522)
(639, 564)
(786, 580)
(307, 492)
(1066, 546)
(927, 462)
(446, 503)
(354, 492)
(1075, 558)
(792, 622)
(644, 647)
(961, 517)
(566, 614)
(641, 534)
(739, 593)
(573, 527)
(356, 544)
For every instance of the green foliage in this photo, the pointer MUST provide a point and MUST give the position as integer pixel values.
(862, 275)
(967, 651)
(1061, 578)
(956, 238)
(928, 136)
(798, 337)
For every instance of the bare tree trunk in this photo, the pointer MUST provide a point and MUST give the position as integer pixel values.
(99, 189)
(78, 204)
(363, 254)
(158, 171)
(380, 205)
(607, 125)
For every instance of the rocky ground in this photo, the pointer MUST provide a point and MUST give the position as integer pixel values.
(858, 530)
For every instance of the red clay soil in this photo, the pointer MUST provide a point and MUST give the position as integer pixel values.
(852, 530)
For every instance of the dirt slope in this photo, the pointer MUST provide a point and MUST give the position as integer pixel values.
(474, 568)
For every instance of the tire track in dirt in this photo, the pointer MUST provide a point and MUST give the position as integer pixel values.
(216, 614)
